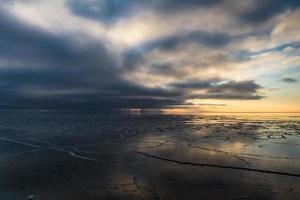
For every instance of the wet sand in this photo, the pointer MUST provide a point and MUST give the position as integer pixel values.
(75, 156)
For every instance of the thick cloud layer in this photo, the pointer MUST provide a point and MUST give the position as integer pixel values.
(213, 89)
(100, 54)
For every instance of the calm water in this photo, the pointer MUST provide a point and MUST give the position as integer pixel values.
(72, 156)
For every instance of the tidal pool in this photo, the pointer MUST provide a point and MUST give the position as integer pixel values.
(73, 156)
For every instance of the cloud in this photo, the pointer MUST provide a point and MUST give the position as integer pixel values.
(129, 54)
(53, 72)
(228, 96)
(287, 30)
(256, 11)
(218, 89)
(236, 87)
(103, 10)
(196, 37)
(289, 80)
(111, 9)
(171, 5)
(192, 84)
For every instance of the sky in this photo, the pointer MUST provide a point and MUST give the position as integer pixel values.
(203, 55)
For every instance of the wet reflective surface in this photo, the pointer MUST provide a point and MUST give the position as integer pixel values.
(69, 155)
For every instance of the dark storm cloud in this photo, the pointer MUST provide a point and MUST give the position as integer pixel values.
(171, 5)
(196, 37)
(192, 85)
(45, 70)
(229, 96)
(110, 10)
(166, 69)
(106, 10)
(53, 72)
(48, 60)
(289, 80)
(262, 10)
(216, 89)
(132, 59)
(20, 41)
(217, 85)
(31, 46)
(236, 87)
